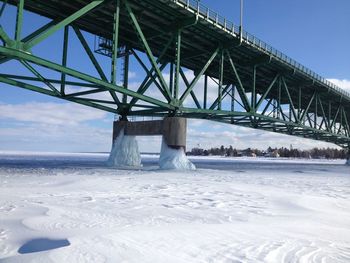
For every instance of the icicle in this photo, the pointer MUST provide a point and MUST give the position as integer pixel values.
(125, 152)
(174, 159)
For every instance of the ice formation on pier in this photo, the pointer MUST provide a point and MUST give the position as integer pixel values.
(125, 152)
(174, 159)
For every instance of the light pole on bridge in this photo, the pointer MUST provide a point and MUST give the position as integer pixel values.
(241, 22)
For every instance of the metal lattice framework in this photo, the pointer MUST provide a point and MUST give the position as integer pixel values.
(236, 79)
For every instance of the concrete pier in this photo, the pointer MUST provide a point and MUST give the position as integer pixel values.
(173, 130)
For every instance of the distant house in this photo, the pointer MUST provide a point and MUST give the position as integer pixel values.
(239, 154)
(248, 152)
(251, 154)
(273, 154)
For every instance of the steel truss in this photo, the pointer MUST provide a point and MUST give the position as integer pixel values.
(167, 90)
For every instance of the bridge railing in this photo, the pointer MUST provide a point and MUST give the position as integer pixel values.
(196, 7)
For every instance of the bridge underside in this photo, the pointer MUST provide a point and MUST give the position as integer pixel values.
(195, 66)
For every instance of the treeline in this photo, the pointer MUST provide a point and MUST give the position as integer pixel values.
(315, 153)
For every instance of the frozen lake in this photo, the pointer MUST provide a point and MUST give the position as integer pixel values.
(72, 208)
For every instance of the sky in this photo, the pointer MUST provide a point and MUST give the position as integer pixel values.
(314, 33)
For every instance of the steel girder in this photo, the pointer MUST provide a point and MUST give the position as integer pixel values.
(243, 94)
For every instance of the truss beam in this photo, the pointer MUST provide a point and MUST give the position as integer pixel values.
(235, 84)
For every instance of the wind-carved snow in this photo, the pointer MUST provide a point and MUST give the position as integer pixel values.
(170, 159)
(125, 152)
(228, 210)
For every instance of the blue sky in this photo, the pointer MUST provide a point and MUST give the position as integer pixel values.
(315, 33)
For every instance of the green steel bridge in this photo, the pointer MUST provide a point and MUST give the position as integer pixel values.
(237, 78)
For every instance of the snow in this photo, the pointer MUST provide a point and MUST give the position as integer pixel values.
(228, 210)
(125, 152)
(174, 159)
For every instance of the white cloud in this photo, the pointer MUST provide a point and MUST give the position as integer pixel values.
(37, 126)
(55, 138)
(154, 92)
(40, 127)
(199, 88)
(242, 137)
(196, 122)
(132, 75)
(50, 113)
(102, 95)
(341, 83)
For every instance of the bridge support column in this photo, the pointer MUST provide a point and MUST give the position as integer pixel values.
(348, 158)
(174, 132)
(173, 149)
(125, 151)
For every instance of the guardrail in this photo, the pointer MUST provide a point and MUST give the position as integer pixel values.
(213, 17)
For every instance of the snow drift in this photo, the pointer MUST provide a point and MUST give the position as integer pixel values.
(125, 152)
(229, 210)
(174, 159)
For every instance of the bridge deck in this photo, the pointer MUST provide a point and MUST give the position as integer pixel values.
(159, 18)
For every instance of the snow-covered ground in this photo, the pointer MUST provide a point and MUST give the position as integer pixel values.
(73, 208)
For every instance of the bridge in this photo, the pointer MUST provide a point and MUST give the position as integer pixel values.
(196, 64)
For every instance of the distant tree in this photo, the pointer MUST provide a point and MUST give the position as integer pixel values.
(229, 151)
(328, 153)
(235, 153)
(222, 151)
